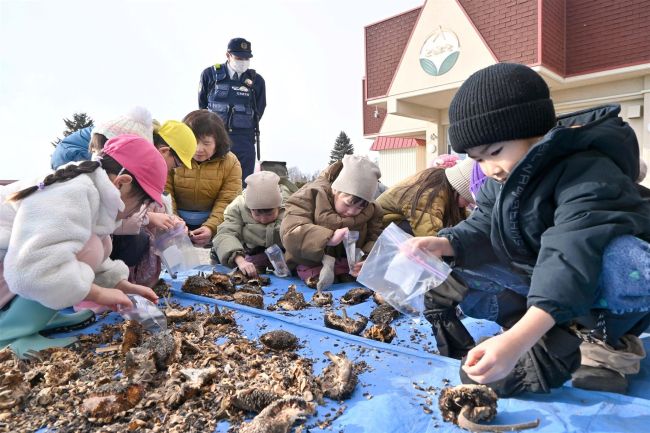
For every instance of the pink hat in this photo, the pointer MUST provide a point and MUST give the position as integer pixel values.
(142, 160)
(446, 160)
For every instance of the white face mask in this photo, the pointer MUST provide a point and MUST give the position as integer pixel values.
(239, 66)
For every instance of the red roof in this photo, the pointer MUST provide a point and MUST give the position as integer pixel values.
(388, 143)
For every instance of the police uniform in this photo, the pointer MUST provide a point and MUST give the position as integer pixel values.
(240, 102)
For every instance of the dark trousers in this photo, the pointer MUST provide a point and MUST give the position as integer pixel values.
(243, 146)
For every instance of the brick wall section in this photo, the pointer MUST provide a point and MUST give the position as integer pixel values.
(371, 124)
(509, 27)
(554, 35)
(385, 43)
(602, 34)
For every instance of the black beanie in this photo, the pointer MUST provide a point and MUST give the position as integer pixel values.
(506, 101)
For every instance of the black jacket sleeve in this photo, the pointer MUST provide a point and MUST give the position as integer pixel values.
(470, 239)
(596, 203)
(204, 88)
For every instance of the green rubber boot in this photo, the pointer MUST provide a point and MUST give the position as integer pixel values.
(68, 322)
(20, 324)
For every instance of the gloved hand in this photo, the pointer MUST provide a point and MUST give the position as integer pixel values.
(448, 294)
(326, 277)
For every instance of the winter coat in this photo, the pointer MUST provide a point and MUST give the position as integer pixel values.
(239, 234)
(562, 204)
(74, 147)
(41, 235)
(209, 186)
(310, 221)
(396, 203)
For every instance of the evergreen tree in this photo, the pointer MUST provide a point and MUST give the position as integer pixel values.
(78, 121)
(342, 146)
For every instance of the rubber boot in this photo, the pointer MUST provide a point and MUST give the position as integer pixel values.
(68, 322)
(599, 379)
(20, 324)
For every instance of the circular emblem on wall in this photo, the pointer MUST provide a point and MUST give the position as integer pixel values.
(439, 52)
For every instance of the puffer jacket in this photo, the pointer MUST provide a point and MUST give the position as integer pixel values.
(208, 186)
(310, 221)
(240, 233)
(396, 203)
(562, 204)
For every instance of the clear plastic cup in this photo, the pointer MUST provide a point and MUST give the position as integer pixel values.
(274, 253)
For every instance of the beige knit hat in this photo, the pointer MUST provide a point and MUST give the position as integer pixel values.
(263, 191)
(137, 121)
(359, 177)
(459, 175)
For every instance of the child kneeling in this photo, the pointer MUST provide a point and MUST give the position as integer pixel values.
(321, 213)
(557, 252)
(251, 224)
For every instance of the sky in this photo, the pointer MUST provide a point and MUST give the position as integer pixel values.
(58, 57)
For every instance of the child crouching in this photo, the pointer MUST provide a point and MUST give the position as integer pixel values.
(251, 224)
(321, 213)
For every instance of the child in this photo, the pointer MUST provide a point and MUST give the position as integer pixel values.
(428, 201)
(200, 195)
(557, 248)
(54, 240)
(321, 213)
(251, 224)
(176, 143)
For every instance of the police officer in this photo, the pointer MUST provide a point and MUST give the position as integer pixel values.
(238, 95)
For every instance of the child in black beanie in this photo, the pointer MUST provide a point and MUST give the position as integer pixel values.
(557, 251)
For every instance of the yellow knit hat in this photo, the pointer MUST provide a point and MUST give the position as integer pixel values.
(180, 138)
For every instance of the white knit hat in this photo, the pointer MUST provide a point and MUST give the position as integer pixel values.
(459, 178)
(263, 191)
(358, 177)
(137, 121)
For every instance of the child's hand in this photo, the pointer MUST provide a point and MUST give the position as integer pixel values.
(433, 244)
(201, 236)
(161, 220)
(356, 269)
(493, 359)
(112, 298)
(338, 236)
(246, 267)
(136, 289)
(178, 221)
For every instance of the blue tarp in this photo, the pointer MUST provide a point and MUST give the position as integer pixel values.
(391, 396)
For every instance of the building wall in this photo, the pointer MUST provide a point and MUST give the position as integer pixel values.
(626, 39)
(397, 164)
(509, 27)
(554, 35)
(385, 43)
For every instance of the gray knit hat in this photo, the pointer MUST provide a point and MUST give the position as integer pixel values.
(263, 191)
(359, 177)
(502, 102)
(459, 178)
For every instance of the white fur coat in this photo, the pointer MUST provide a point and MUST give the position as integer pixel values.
(41, 235)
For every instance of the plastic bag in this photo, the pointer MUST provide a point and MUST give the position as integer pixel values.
(146, 313)
(350, 243)
(175, 250)
(274, 253)
(401, 279)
